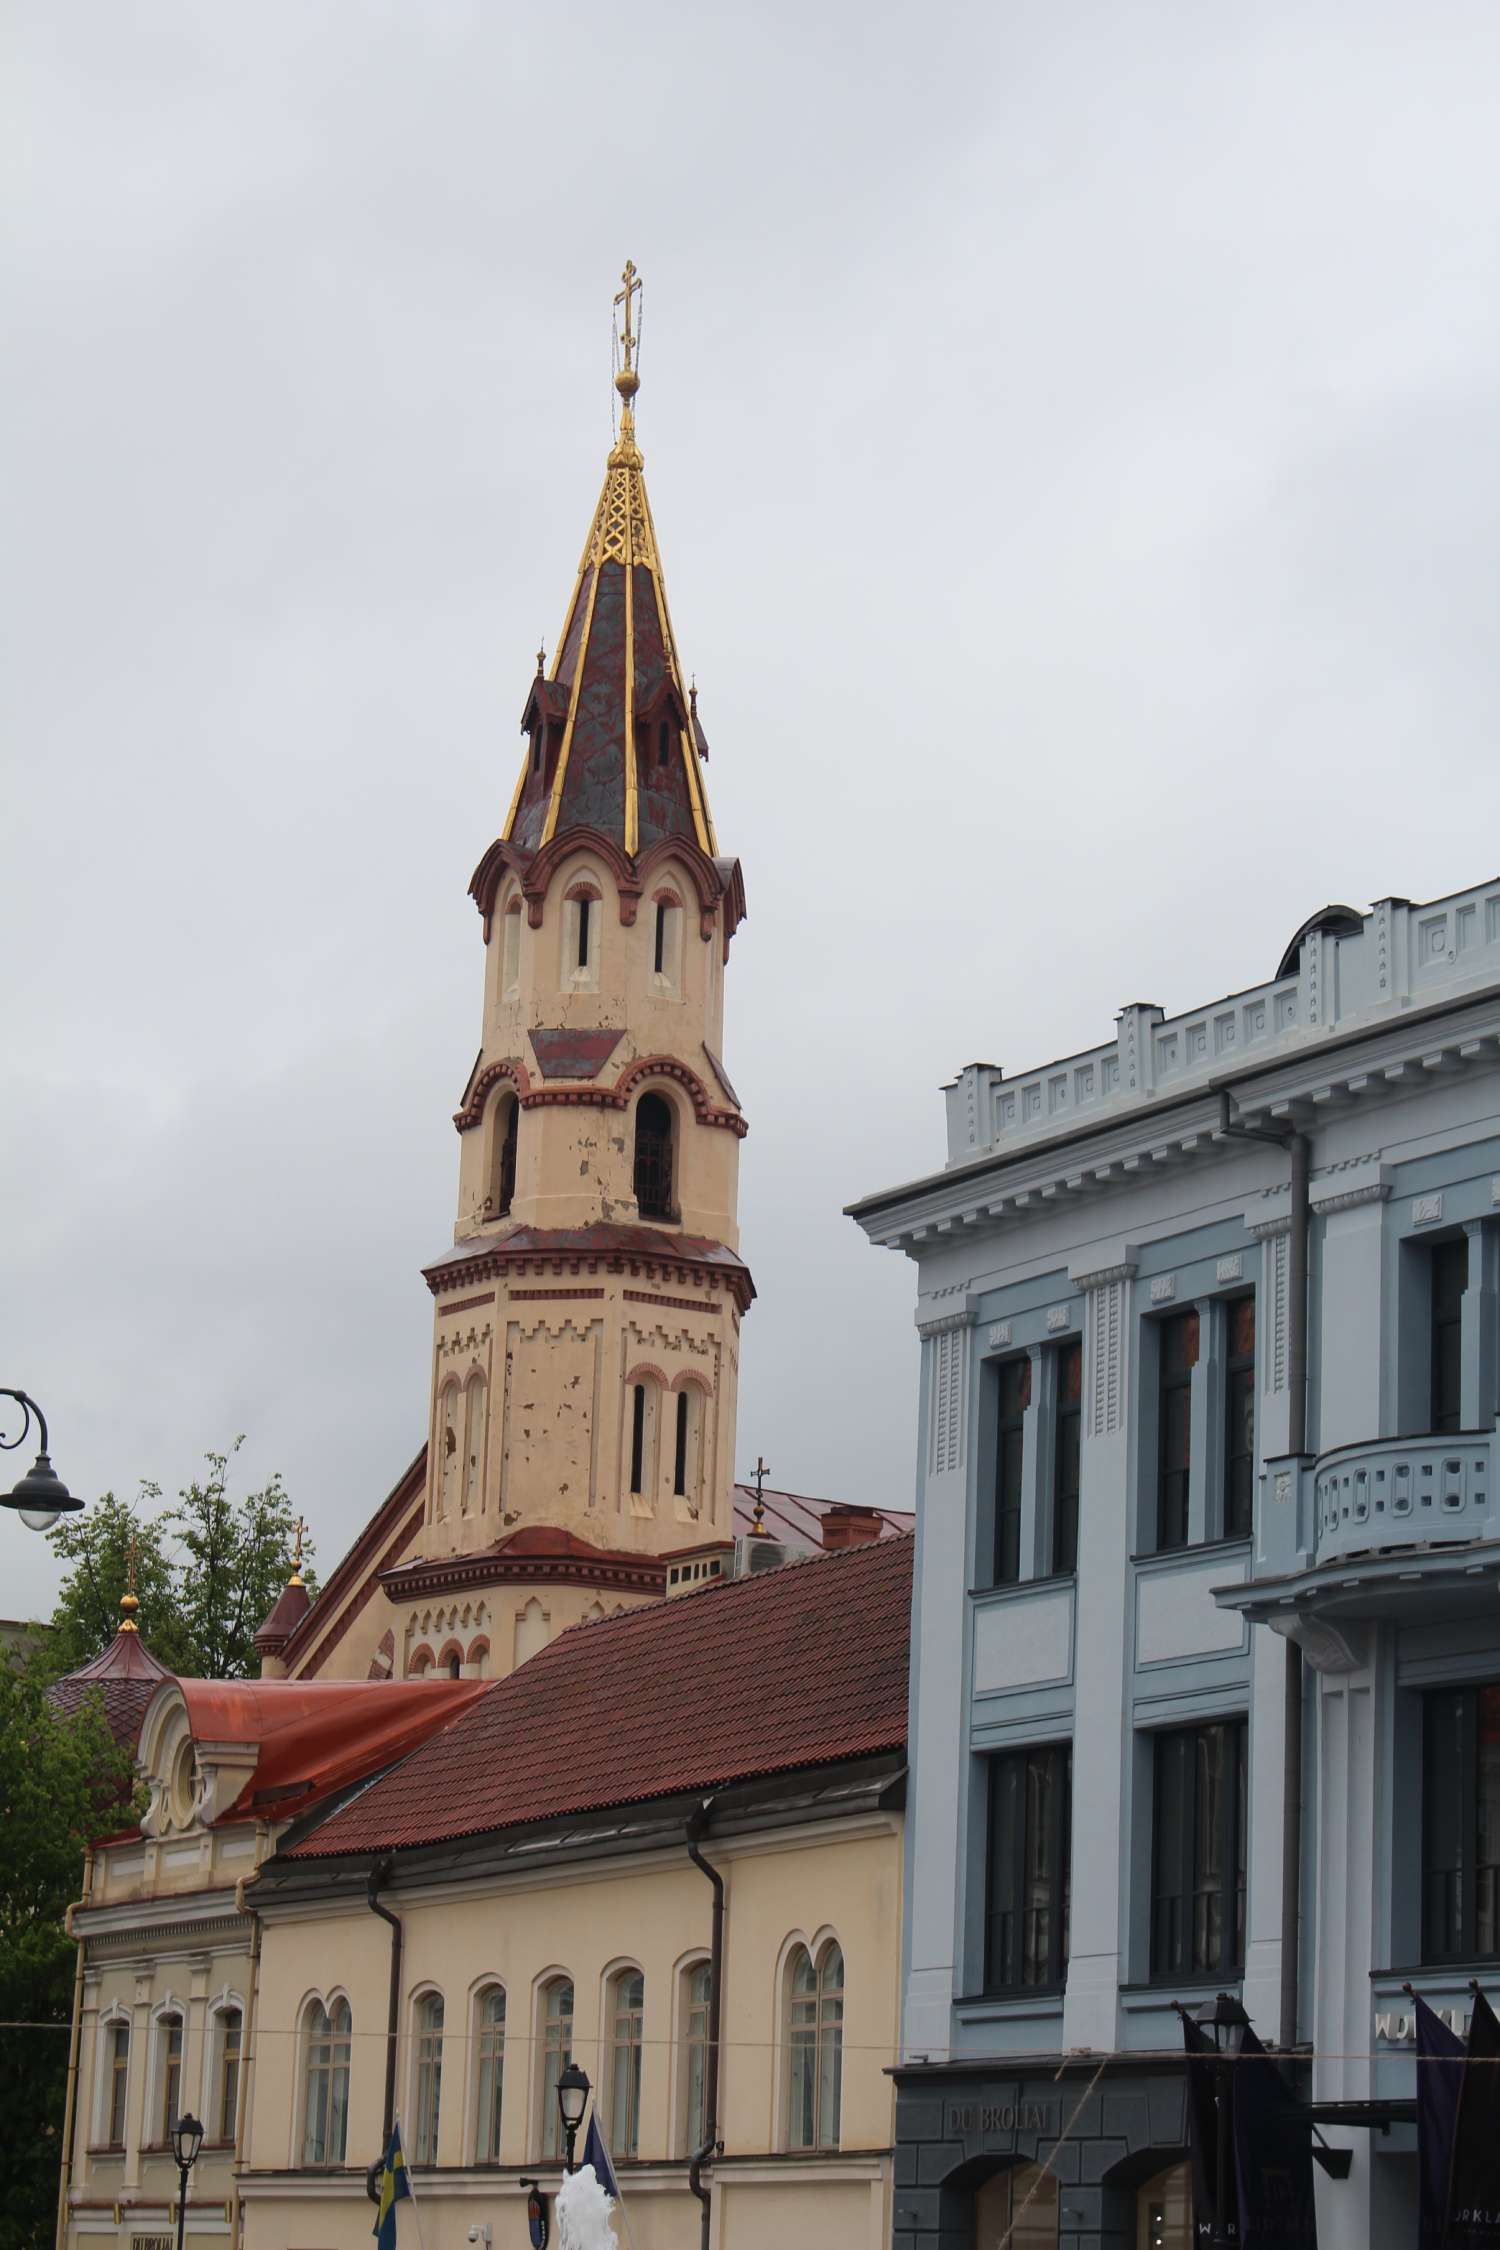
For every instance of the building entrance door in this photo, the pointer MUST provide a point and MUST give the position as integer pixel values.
(1017, 2208)
(1164, 2211)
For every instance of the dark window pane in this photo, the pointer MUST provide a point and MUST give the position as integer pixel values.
(1066, 1458)
(637, 1436)
(1198, 1851)
(1178, 1345)
(1027, 1878)
(1450, 1272)
(1239, 1413)
(653, 1157)
(1014, 1381)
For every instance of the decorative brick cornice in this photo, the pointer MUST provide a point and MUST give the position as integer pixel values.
(637, 1574)
(496, 1259)
(705, 1110)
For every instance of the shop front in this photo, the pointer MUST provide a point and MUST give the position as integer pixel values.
(1094, 2158)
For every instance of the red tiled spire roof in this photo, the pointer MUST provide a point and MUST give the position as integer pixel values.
(125, 1676)
(620, 748)
(796, 1667)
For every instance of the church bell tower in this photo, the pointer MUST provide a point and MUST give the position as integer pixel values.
(586, 1340)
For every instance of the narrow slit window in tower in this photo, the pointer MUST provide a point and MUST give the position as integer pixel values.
(679, 1464)
(662, 911)
(637, 1436)
(585, 917)
(505, 1158)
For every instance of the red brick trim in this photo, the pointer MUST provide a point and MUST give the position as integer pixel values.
(644, 1372)
(644, 1574)
(678, 1304)
(494, 1259)
(469, 1304)
(536, 1296)
(511, 1067)
(583, 890)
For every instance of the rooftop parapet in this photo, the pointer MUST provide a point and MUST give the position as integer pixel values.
(1341, 971)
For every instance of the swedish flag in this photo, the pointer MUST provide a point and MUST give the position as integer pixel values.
(394, 2184)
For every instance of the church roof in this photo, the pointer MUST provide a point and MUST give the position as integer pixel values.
(793, 1668)
(312, 1738)
(125, 1676)
(621, 749)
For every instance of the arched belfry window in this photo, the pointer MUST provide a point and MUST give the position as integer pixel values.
(507, 1127)
(653, 1157)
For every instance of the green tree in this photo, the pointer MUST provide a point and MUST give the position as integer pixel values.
(208, 1572)
(64, 1782)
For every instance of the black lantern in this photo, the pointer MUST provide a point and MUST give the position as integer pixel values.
(187, 2139)
(572, 2101)
(1226, 2024)
(40, 1497)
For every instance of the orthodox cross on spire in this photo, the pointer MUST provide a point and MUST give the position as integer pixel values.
(628, 338)
(296, 1577)
(758, 1526)
(128, 1601)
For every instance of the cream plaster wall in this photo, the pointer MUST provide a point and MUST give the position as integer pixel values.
(586, 1923)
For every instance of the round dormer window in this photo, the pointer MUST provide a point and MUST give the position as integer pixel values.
(184, 1787)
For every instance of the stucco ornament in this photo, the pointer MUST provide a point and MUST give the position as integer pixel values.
(583, 2213)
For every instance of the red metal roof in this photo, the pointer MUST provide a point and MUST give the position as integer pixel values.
(797, 1521)
(797, 1667)
(317, 1736)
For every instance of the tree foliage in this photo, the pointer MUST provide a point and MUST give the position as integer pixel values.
(208, 1572)
(64, 1782)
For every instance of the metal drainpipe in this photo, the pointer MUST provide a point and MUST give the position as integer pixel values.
(1296, 1145)
(247, 2045)
(75, 2040)
(697, 1827)
(393, 2016)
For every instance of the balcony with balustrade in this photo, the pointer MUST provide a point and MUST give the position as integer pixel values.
(1390, 1527)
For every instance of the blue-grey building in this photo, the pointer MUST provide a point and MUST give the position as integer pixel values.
(1206, 1628)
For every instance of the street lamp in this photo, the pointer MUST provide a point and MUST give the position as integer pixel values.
(41, 1496)
(572, 2101)
(187, 2139)
(1226, 2024)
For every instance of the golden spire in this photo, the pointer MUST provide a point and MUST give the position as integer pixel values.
(758, 1526)
(626, 454)
(296, 1578)
(128, 1602)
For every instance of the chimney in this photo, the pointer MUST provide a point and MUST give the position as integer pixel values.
(845, 1524)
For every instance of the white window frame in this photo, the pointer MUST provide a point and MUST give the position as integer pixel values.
(115, 2018)
(479, 1999)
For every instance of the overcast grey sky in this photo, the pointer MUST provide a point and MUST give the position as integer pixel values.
(1072, 430)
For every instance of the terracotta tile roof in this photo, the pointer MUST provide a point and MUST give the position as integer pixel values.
(797, 1667)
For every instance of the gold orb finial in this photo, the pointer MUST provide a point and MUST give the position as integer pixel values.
(128, 1601)
(758, 1525)
(296, 1578)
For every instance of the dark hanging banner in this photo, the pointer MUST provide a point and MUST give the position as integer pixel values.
(1203, 2118)
(1474, 2178)
(1272, 2156)
(1440, 2067)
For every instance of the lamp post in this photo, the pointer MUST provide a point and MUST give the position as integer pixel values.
(40, 1497)
(1226, 2024)
(572, 2101)
(187, 2139)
